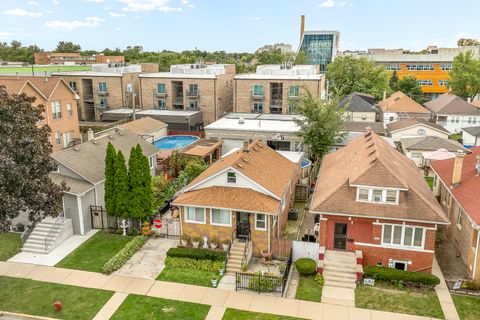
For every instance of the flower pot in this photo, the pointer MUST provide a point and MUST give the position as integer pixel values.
(184, 242)
(221, 271)
(214, 282)
(213, 245)
(195, 243)
(225, 247)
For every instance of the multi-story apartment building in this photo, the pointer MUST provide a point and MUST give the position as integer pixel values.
(430, 67)
(105, 88)
(74, 58)
(192, 87)
(60, 104)
(275, 88)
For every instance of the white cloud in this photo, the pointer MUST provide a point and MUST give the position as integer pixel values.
(5, 35)
(22, 13)
(255, 18)
(89, 22)
(118, 29)
(97, 1)
(114, 14)
(187, 3)
(334, 3)
(149, 5)
(32, 3)
(56, 2)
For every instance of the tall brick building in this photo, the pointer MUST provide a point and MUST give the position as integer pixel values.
(275, 88)
(202, 87)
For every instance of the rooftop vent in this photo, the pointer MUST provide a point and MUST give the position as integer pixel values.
(241, 120)
(255, 148)
(397, 98)
(245, 160)
(239, 165)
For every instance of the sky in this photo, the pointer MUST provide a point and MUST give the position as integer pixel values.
(236, 26)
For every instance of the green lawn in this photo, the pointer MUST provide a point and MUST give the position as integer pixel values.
(37, 298)
(468, 308)
(142, 307)
(188, 276)
(95, 252)
(41, 70)
(385, 297)
(308, 289)
(429, 181)
(234, 314)
(10, 245)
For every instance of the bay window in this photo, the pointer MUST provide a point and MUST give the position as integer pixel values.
(401, 235)
(220, 217)
(195, 215)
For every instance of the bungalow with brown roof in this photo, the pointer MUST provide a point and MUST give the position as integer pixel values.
(245, 195)
(399, 106)
(209, 150)
(410, 128)
(371, 198)
(457, 184)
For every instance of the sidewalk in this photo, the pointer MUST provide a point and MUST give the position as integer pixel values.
(446, 302)
(217, 298)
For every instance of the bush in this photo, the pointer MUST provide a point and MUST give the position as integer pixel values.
(263, 282)
(471, 285)
(197, 254)
(122, 256)
(399, 276)
(306, 266)
(320, 279)
(188, 263)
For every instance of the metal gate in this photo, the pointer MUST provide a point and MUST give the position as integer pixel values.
(98, 217)
(170, 228)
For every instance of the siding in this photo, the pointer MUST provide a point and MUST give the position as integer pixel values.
(71, 211)
(87, 200)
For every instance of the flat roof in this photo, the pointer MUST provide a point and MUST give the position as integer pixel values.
(88, 74)
(265, 125)
(177, 75)
(293, 156)
(278, 76)
(185, 113)
(263, 116)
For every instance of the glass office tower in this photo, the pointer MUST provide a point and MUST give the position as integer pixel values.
(320, 47)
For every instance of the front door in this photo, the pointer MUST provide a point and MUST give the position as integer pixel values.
(243, 225)
(340, 236)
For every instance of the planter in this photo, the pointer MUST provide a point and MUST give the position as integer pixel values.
(213, 245)
(225, 246)
(184, 242)
(221, 272)
(214, 282)
(196, 244)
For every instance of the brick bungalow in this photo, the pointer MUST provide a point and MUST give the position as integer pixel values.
(246, 195)
(457, 184)
(370, 197)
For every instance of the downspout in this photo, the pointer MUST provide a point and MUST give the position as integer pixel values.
(123, 93)
(235, 95)
(268, 235)
(80, 212)
(476, 254)
(215, 96)
(140, 93)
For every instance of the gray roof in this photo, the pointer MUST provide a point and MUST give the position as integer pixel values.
(76, 186)
(449, 103)
(88, 159)
(431, 143)
(474, 131)
(360, 126)
(358, 102)
(408, 123)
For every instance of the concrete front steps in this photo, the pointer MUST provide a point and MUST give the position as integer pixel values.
(234, 263)
(48, 234)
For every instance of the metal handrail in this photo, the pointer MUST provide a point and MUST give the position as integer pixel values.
(245, 250)
(26, 233)
(60, 219)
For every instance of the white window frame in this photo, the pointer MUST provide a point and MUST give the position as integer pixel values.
(187, 209)
(256, 221)
(228, 178)
(384, 195)
(402, 237)
(58, 137)
(69, 110)
(400, 261)
(229, 214)
(56, 110)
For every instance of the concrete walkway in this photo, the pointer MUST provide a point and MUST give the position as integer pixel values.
(218, 298)
(293, 283)
(446, 302)
(57, 254)
(338, 295)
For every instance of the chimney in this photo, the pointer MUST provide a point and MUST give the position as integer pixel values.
(457, 168)
(302, 26)
(245, 146)
(477, 165)
(90, 135)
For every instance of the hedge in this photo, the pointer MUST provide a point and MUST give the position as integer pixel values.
(197, 254)
(187, 263)
(122, 256)
(306, 266)
(394, 275)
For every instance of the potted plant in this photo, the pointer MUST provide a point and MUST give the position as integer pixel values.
(213, 243)
(196, 241)
(214, 281)
(221, 271)
(226, 244)
(184, 240)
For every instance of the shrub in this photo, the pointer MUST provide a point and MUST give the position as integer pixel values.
(263, 282)
(122, 256)
(401, 277)
(471, 285)
(188, 263)
(306, 266)
(197, 254)
(319, 279)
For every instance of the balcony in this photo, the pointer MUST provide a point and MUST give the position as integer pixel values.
(192, 93)
(177, 101)
(276, 109)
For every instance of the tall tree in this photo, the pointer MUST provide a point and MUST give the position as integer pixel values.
(301, 58)
(467, 42)
(350, 74)
(135, 184)
(67, 47)
(122, 190)
(146, 181)
(464, 78)
(321, 124)
(109, 195)
(409, 85)
(393, 80)
(25, 162)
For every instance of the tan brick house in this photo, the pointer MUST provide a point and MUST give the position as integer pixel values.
(245, 195)
(371, 198)
(207, 88)
(275, 88)
(60, 104)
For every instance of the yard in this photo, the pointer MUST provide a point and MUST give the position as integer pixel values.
(142, 307)
(10, 245)
(468, 308)
(37, 298)
(385, 297)
(41, 70)
(234, 314)
(95, 252)
(188, 276)
(429, 181)
(309, 289)
(290, 231)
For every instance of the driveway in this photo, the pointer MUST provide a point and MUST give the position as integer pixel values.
(149, 261)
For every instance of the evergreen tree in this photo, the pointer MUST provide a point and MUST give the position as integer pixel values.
(122, 191)
(393, 81)
(135, 183)
(146, 181)
(109, 195)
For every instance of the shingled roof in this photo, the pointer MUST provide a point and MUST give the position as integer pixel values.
(449, 103)
(369, 160)
(408, 123)
(431, 143)
(400, 102)
(358, 102)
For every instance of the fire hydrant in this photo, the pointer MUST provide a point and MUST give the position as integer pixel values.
(58, 306)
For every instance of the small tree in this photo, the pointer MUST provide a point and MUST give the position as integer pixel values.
(109, 195)
(68, 47)
(409, 86)
(321, 125)
(301, 58)
(122, 191)
(135, 209)
(393, 81)
(194, 168)
(465, 75)
(146, 181)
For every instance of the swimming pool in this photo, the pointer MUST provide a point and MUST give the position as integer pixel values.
(306, 163)
(174, 142)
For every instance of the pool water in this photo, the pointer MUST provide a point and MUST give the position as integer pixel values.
(174, 142)
(306, 163)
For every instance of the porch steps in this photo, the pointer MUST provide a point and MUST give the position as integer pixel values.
(43, 236)
(340, 269)
(234, 263)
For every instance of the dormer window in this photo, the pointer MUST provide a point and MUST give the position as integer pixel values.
(231, 177)
(377, 195)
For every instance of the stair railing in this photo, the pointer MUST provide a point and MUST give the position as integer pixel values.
(245, 251)
(59, 220)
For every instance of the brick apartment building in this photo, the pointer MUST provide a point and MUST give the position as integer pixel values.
(74, 58)
(192, 87)
(60, 104)
(105, 88)
(275, 88)
(370, 197)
